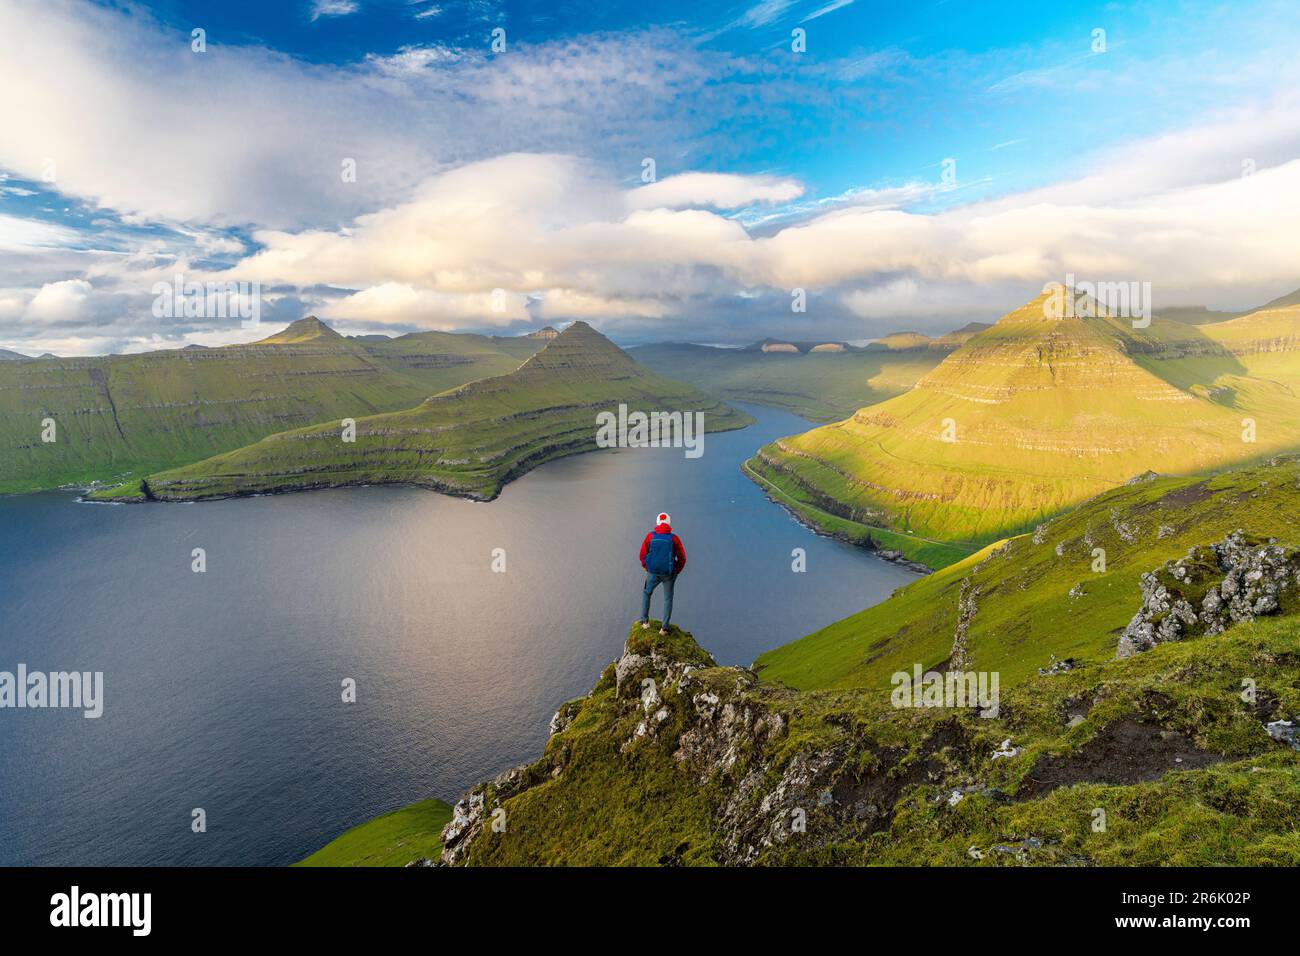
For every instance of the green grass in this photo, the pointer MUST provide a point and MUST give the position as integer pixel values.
(818, 386)
(467, 441)
(1025, 611)
(126, 416)
(393, 839)
(1238, 812)
(1034, 415)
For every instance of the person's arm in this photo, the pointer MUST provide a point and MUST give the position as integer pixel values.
(679, 553)
(645, 546)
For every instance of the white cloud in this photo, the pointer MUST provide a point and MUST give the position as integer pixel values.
(17, 234)
(568, 304)
(1213, 150)
(60, 301)
(563, 239)
(397, 303)
(412, 61)
(1196, 239)
(244, 135)
(333, 8)
(12, 306)
(717, 190)
(828, 8)
(551, 226)
(764, 12)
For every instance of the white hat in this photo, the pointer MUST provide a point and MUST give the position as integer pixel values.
(663, 518)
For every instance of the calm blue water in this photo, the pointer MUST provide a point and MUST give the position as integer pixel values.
(222, 689)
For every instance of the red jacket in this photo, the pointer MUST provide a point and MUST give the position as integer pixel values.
(679, 553)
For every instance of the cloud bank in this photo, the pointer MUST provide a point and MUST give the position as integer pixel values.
(442, 187)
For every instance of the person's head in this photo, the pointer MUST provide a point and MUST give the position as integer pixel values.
(662, 519)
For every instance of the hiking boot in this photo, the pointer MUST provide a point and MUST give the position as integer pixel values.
(644, 625)
(663, 631)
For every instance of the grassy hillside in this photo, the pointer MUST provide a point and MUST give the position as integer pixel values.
(394, 839)
(1155, 760)
(816, 385)
(930, 553)
(1182, 755)
(1037, 595)
(466, 441)
(123, 415)
(1036, 414)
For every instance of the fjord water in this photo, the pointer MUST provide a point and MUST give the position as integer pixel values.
(223, 689)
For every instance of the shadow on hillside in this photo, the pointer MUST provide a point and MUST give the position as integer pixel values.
(1188, 359)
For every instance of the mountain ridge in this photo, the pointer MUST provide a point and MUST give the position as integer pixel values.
(307, 329)
(1037, 413)
(124, 415)
(468, 441)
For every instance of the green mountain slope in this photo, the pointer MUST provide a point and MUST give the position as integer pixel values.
(671, 760)
(467, 441)
(1035, 414)
(1016, 604)
(132, 414)
(958, 337)
(815, 384)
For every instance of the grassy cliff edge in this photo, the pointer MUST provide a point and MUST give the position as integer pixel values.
(405, 836)
(672, 760)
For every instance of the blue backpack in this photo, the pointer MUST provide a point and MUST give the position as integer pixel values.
(659, 557)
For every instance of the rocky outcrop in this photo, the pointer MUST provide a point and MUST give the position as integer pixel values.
(1211, 588)
(565, 715)
(966, 609)
(1285, 732)
(476, 810)
(903, 561)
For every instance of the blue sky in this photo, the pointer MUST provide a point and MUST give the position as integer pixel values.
(914, 166)
(998, 86)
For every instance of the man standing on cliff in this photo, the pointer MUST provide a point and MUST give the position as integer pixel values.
(663, 558)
